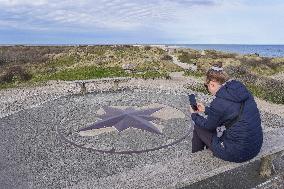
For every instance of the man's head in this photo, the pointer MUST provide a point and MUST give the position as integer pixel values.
(215, 77)
(212, 87)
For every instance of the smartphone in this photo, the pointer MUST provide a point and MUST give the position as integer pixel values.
(192, 102)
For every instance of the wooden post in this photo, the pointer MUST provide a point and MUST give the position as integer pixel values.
(115, 85)
(83, 88)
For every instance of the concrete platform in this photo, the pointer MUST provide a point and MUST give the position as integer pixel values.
(33, 155)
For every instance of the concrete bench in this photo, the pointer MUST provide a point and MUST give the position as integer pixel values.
(189, 168)
(115, 82)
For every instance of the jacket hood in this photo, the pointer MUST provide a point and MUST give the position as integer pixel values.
(233, 91)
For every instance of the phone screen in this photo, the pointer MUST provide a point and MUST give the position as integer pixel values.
(192, 101)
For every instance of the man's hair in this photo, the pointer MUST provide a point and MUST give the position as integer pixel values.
(216, 73)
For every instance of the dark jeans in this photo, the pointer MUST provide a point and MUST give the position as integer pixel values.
(201, 138)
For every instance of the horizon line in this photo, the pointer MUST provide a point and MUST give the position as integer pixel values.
(167, 44)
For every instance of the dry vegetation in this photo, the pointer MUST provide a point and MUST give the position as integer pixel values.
(26, 65)
(35, 64)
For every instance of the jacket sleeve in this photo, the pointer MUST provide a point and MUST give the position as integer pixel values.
(212, 121)
(207, 109)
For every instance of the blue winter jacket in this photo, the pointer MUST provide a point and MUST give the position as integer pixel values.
(243, 140)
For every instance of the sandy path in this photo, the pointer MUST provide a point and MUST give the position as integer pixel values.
(279, 76)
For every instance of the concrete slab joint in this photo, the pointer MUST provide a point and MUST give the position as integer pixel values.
(267, 168)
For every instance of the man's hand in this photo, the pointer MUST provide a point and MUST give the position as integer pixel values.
(191, 110)
(200, 107)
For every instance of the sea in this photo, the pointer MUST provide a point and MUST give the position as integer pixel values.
(262, 50)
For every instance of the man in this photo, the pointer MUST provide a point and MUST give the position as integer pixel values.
(234, 107)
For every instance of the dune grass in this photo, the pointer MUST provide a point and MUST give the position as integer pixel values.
(273, 95)
(31, 65)
(84, 73)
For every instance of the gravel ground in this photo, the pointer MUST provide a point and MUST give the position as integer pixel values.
(17, 99)
(276, 109)
(34, 155)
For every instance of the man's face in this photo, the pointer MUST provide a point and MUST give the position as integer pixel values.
(213, 87)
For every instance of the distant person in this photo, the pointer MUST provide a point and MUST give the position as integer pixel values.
(232, 130)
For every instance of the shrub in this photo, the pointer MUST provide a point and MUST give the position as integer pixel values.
(270, 92)
(30, 54)
(128, 46)
(147, 48)
(3, 60)
(218, 54)
(187, 57)
(167, 57)
(262, 65)
(197, 74)
(15, 73)
(62, 61)
(236, 71)
(260, 86)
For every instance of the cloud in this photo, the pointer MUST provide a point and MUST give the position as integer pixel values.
(11, 3)
(165, 21)
(197, 2)
(109, 14)
(229, 23)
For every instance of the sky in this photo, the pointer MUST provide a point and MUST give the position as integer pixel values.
(142, 22)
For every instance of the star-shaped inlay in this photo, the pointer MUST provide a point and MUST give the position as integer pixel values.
(127, 118)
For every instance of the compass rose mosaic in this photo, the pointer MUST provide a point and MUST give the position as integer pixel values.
(122, 129)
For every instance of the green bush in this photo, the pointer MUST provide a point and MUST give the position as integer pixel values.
(273, 95)
(148, 66)
(167, 57)
(188, 57)
(63, 61)
(197, 74)
(99, 51)
(147, 48)
(218, 54)
(260, 86)
(7, 85)
(262, 65)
